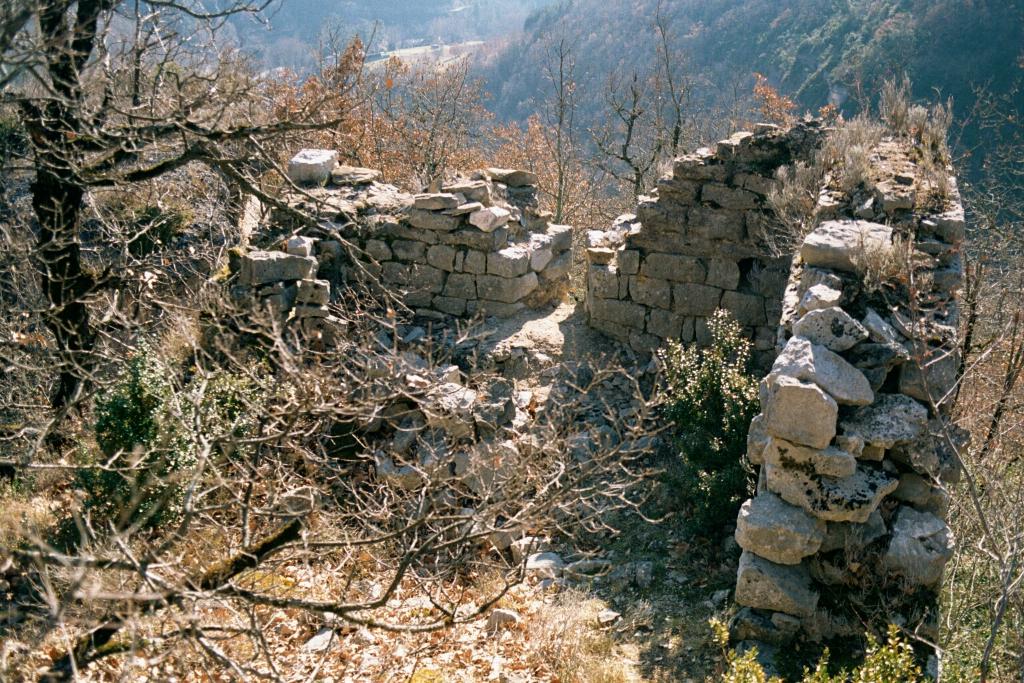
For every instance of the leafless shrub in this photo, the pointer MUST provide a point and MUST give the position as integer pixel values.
(881, 265)
(856, 169)
(793, 199)
(894, 104)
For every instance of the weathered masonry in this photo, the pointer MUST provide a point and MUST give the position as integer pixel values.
(701, 243)
(854, 443)
(479, 245)
(859, 328)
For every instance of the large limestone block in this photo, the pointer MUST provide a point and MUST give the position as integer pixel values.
(893, 419)
(832, 327)
(935, 453)
(931, 375)
(313, 292)
(541, 252)
(435, 201)
(772, 628)
(561, 237)
(716, 224)
(881, 331)
(261, 267)
(829, 461)
(800, 412)
(922, 494)
(920, 547)
(475, 239)
(430, 220)
(558, 269)
(409, 251)
(781, 588)
(353, 175)
(460, 286)
(948, 227)
(695, 300)
(442, 256)
(513, 177)
(723, 273)
(701, 165)
(473, 190)
(624, 313)
(490, 218)
(841, 244)
(449, 407)
(300, 245)
(673, 267)
(817, 297)
(312, 166)
(777, 531)
(833, 499)
(665, 324)
(748, 309)
(504, 289)
(509, 262)
(650, 292)
(757, 440)
(853, 537)
(603, 281)
(807, 361)
(729, 197)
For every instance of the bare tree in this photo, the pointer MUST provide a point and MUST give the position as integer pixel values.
(559, 113)
(630, 147)
(118, 93)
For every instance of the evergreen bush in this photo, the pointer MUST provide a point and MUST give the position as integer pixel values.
(711, 397)
(136, 479)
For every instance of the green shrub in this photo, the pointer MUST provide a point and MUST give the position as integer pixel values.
(150, 437)
(893, 662)
(710, 399)
(230, 408)
(143, 457)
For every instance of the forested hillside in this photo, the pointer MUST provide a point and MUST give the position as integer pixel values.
(816, 52)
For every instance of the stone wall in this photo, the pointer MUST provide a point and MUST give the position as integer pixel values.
(699, 243)
(477, 245)
(847, 528)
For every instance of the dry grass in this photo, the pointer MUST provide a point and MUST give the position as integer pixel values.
(882, 264)
(566, 638)
(23, 516)
(894, 104)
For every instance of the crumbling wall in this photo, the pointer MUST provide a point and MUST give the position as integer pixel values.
(854, 445)
(702, 241)
(478, 245)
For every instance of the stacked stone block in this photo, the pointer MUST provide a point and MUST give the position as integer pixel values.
(476, 245)
(854, 444)
(698, 243)
(284, 283)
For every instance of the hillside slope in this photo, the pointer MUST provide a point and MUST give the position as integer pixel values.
(814, 51)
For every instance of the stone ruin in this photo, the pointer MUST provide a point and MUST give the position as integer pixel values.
(854, 444)
(854, 448)
(479, 245)
(703, 241)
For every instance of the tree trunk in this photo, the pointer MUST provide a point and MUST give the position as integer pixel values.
(57, 201)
